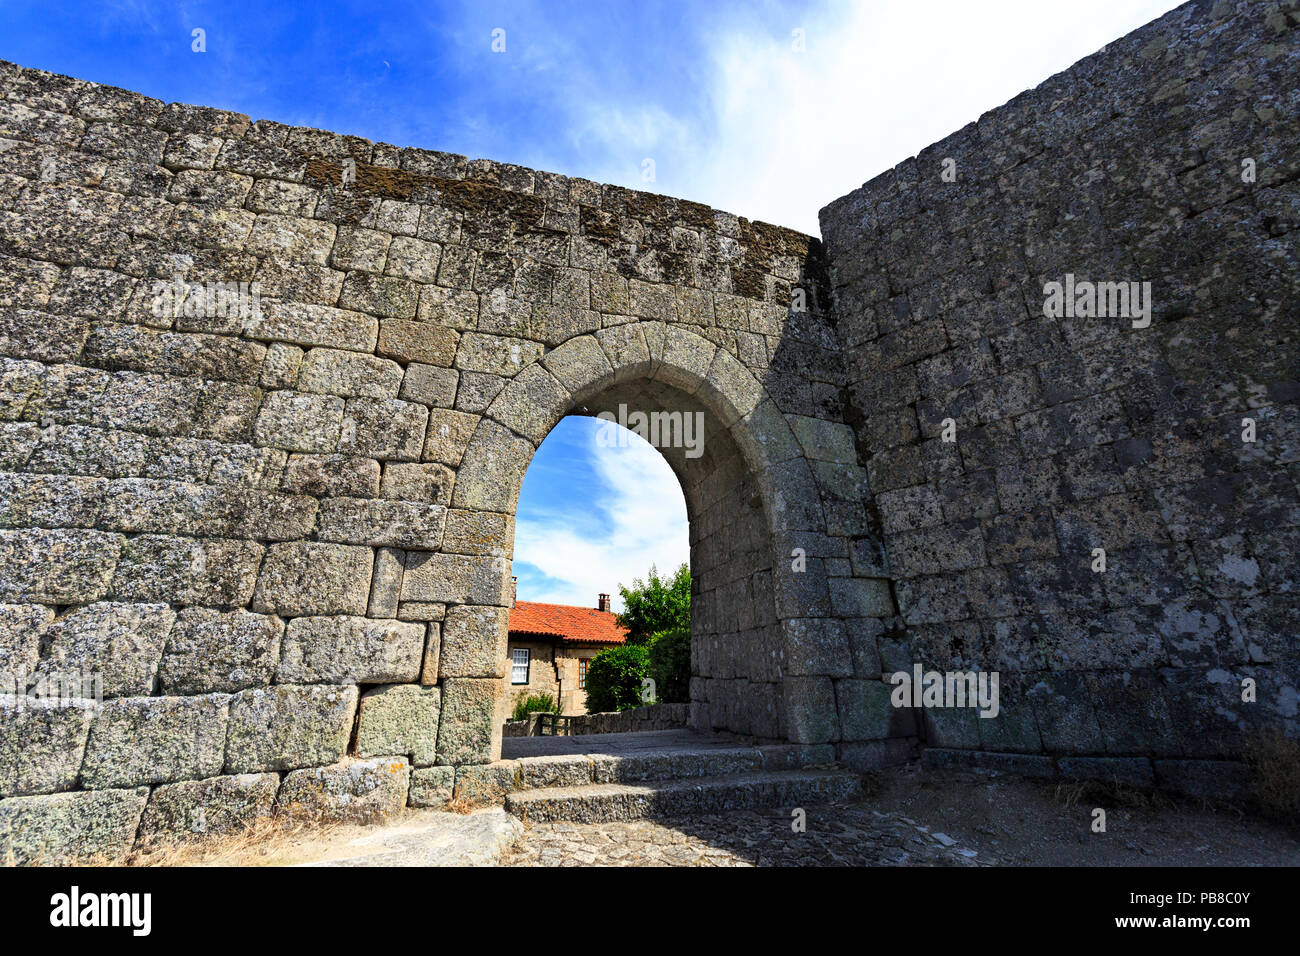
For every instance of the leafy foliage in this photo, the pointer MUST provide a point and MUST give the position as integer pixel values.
(614, 678)
(534, 704)
(656, 604)
(670, 664)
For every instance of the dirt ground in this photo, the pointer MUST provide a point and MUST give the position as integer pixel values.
(1014, 821)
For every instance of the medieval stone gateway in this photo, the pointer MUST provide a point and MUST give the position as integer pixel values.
(267, 396)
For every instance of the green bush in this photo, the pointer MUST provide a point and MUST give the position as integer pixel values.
(537, 703)
(614, 678)
(670, 664)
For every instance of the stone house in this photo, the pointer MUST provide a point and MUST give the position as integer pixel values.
(550, 645)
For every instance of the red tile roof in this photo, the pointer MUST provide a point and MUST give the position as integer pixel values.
(586, 625)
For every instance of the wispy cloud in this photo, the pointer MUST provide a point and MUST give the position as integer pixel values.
(781, 131)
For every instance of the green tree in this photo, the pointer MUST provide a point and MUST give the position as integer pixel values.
(670, 664)
(656, 604)
(614, 678)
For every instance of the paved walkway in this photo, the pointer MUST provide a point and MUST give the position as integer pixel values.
(843, 835)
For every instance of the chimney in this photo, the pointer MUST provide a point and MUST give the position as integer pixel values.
(603, 603)
(514, 588)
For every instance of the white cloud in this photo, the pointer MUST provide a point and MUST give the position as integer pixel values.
(590, 547)
(876, 83)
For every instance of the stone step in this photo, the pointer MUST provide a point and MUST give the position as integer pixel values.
(571, 770)
(602, 802)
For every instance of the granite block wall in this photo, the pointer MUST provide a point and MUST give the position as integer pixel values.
(1097, 503)
(267, 395)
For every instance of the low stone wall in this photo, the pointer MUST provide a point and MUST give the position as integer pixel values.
(651, 717)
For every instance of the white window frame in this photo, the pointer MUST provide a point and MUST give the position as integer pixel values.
(520, 657)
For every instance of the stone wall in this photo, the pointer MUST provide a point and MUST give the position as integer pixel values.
(635, 720)
(1169, 157)
(278, 539)
(279, 535)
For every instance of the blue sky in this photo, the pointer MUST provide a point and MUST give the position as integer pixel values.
(594, 515)
(768, 109)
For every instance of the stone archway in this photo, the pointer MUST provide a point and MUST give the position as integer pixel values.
(768, 645)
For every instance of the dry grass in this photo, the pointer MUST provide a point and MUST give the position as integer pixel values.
(265, 841)
(284, 837)
(1111, 793)
(463, 805)
(1274, 762)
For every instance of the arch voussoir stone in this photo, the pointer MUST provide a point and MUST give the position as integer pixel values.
(531, 404)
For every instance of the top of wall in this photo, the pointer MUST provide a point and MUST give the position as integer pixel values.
(1112, 84)
(642, 235)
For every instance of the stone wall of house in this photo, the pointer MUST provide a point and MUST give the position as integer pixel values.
(1170, 157)
(278, 534)
(543, 675)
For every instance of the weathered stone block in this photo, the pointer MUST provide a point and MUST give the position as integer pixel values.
(122, 643)
(386, 586)
(422, 342)
(479, 532)
(860, 597)
(488, 782)
(1062, 706)
(354, 791)
(867, 713)
(400, 719)
(351, 650)
(41, 743)
(429, 385)
(21, 629)
(296, 421)
(469, 728)
(146, 740)
(473, 642)
(211, 571)
(288, 726)
(200, 808)
(67, 826)
(349, 374)
(305, 577)
(387, 429)
(456, 579)
(811, 716)
(427, 482)
(56, 566)
(211, 651)
(309, 325)
(432, 787)
(567, 770)
(328, 476)
(817, 646)
(432, 640)
(449, 434)
(379, 522)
